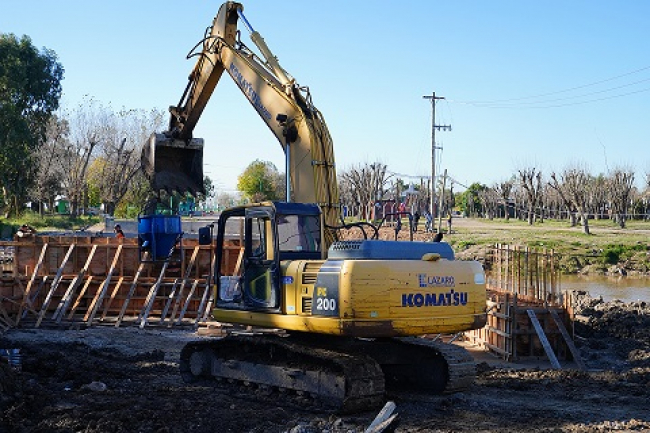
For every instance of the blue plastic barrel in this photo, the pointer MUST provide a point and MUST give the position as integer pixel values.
(157, 235)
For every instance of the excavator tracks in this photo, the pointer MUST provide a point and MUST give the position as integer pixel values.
(341, 374)
(332, 380)
(459, 365)
(417, 364)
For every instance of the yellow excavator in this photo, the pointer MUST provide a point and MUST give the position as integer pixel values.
(351, 313)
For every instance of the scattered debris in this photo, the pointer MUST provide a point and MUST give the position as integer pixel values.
(384, 418)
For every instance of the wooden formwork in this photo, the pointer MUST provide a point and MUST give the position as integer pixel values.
(511, 332)
(528, 272)
(528, 315)
(64, 280)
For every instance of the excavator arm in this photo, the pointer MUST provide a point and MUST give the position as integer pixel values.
(173, 160)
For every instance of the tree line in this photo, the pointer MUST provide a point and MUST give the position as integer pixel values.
(90, 154)
(573, 194)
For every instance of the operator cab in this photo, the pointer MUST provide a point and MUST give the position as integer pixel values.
(248, 272)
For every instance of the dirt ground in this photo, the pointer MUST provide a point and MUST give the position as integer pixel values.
(105, 379)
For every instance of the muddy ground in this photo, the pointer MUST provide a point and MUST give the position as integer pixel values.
(126, 380)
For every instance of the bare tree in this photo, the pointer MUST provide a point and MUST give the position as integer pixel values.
(503, 190)
(50, 156)
(362, 185)
(531, 181)
(104, 151)
(490, 200)
(568, 204)
(572, 186)
(598, 192)
(86, 122)
(621, 183)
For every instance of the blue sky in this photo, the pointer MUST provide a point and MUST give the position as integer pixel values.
(545, 84)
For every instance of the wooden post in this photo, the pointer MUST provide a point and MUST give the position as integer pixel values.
(30, 284)
(67, 297)
(131, 291)
(172, 294)
(567, 338)
(542, 338)
(187, 302)
(80, 297)
(505, 263)
(211, 288)
(55, 285)
(110, 299)
(513, 326)
(202, 305)
(101, 292)
(151, 297)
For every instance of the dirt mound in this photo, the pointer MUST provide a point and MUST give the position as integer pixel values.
(614, 334)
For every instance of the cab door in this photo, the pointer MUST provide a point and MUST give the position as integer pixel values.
(261, 264)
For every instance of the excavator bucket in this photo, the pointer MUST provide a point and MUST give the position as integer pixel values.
(174, 165)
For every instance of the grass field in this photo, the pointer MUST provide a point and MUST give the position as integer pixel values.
(606, 246)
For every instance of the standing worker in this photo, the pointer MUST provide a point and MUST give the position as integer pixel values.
(416, 220)
(118, 231)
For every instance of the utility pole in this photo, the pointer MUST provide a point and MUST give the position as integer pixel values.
(433, 98)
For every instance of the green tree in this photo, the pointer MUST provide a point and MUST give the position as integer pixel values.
(209, 187)
(30, 89)
(259, 180)
(137, 199)
(470, 202)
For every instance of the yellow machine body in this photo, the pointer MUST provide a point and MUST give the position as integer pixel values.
(374, 298)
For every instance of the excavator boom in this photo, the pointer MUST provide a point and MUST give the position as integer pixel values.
(173, 160)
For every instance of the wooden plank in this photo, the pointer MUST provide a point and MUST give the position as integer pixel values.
(567, 338)
(187, 302)
(55, 285)
(170, 298)
(151, 297)
(203, 311)
(542, 337)
(240, 259)
(33, 297)
(112, 297)
(67, 297)
(498, 331)
(179, 295)
(101, 292)
(30, 284)
(200, 311)
(80, 297)
(383, 419)
(4, 298)
(206, 312)
(131, 291)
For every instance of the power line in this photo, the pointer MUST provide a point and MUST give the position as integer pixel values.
(588, 101)
(512, 102)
